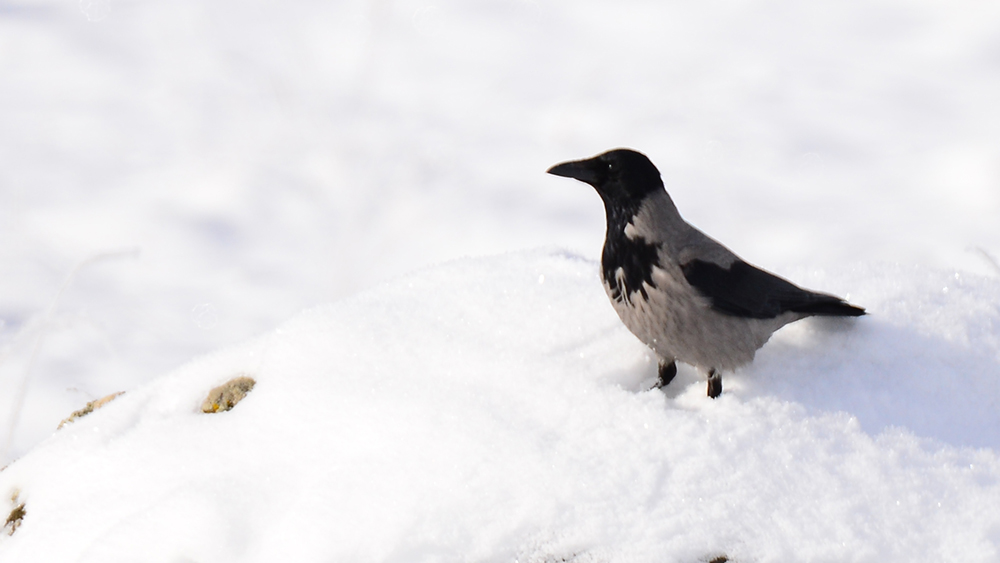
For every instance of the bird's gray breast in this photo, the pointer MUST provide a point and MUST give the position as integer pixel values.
(644, 280)
(679, 324)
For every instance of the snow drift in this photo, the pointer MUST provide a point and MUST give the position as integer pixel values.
(495, 409)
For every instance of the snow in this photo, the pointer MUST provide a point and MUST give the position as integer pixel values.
(495, 409)
(181, 178)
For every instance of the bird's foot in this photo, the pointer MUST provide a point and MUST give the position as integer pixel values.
(714, 383)
(667, 371)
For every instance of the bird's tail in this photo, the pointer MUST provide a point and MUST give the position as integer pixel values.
(823, 305)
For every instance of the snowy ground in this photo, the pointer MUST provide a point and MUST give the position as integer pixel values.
(494, 409)
(181, 177)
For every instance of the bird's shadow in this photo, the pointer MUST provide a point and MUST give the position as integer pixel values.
(883, 374)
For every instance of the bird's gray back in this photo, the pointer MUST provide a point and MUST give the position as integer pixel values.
(659, 222)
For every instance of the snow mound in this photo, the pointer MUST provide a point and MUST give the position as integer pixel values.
(495, 410)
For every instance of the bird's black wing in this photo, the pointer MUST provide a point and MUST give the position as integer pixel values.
(741, 290)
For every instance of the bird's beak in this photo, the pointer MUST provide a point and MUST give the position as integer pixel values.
(583, 170)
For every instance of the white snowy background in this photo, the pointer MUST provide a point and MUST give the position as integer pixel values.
(178, 178)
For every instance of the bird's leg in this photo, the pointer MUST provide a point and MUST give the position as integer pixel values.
(667, 371)
(714, 383)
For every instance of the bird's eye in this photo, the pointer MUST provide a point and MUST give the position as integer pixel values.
(612, 166)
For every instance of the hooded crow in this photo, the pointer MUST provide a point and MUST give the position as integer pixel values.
(682, 293)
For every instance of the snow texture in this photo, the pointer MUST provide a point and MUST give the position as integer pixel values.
(495, 409)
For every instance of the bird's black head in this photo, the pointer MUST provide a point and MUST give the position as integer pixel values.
(622, 177)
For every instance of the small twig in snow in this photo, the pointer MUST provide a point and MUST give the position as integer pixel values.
(990, 259)
(43, 327)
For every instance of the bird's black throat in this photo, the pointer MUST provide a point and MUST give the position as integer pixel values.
(634, 256)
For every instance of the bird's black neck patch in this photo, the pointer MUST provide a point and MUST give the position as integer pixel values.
(635, 257)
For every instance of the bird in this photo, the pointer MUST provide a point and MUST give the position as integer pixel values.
(685, 295)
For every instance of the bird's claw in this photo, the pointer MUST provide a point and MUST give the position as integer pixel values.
(714, 384)
(666, 373)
